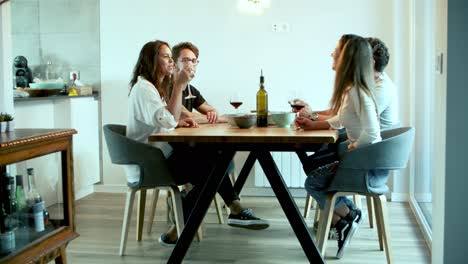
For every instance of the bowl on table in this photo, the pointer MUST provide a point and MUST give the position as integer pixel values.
(283, 119)
(242, 120)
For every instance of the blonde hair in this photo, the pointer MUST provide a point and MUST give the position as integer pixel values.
(354, 69)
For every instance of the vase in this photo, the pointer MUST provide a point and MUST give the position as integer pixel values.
(3, 126)
(10, 126)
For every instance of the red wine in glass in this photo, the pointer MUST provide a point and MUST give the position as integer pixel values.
(236, 104)
(297, 107)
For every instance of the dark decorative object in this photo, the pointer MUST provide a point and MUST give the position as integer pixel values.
(22, 72)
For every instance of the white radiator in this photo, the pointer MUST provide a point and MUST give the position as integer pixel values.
(290, 167)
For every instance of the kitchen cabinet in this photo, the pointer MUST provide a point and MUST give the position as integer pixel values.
(80, 113)
(32, 246)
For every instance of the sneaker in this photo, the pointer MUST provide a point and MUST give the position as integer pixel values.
(333, 234)
(354, 215)
(246, 219)
(345, 231)
(166, 242)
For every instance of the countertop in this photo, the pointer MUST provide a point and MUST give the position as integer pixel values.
(54, 97)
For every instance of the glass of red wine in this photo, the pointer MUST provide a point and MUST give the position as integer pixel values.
(236, 101)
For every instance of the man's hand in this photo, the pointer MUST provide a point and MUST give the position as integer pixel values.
(352, 146)
(212, 116)
(187, 122)
(306, 111)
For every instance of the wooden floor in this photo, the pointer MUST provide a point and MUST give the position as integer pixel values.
(99, 222)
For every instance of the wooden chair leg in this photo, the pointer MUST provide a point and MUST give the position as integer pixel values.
(219, 209)
(307, 206)
(378, 222)
(177, 207)
(317, 214)
(126, 220)
(325, 223)
(382, 213)
(357, 201)
(154, 204)
(167, 211)
(369, 211)
(141, 214)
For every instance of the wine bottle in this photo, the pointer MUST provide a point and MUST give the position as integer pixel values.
(262, 104)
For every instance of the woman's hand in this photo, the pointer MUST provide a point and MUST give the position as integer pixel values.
(304, 123)
(187, 122)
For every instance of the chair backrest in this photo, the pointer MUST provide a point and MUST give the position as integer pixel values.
(366, 169)
(154, 170)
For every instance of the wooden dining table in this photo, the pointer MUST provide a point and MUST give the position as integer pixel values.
(227, 140)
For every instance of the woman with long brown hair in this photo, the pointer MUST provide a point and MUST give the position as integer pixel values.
(151, 110)
(354, 103)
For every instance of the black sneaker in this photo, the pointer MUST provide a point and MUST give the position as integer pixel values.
(166, 242)
(246, 219)
(354, 215)
(333, 234)
(345, 231)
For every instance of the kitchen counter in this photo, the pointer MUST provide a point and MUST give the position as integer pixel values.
(54, 97)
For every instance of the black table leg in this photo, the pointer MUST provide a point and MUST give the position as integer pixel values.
(244, 173)
(201, 207)
(289, 206)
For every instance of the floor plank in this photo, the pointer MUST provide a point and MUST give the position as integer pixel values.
(99, 222)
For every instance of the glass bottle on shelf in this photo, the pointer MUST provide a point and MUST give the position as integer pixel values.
(34, 204)
(19, 194)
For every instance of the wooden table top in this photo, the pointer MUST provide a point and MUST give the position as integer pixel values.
(25, 136)
(224, 133)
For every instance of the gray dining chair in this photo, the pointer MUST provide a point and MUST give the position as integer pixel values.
(154, 174)
(364, 171)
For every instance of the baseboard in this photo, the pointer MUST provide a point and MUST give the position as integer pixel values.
(84, 191)
(400, 197)
(117, 188)
(110, 188)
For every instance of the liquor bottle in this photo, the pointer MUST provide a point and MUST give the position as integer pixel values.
(262, 104)
(19, 194)
(33, 195)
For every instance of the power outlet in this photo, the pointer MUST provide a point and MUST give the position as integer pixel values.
(280, 27)
(77, 75)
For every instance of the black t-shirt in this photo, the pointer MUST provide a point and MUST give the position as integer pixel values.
(192, 103)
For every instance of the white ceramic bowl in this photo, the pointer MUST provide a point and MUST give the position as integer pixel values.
(242, 120)
(283, 119)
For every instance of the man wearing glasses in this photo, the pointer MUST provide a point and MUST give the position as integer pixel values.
(187, 53)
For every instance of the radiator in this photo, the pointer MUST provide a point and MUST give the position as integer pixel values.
(290, 167)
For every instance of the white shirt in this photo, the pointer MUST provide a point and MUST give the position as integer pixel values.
(147, 114)
(358, 115)
(387, 102)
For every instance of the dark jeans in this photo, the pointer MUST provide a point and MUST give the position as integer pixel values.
(193, 165)
(324, 154)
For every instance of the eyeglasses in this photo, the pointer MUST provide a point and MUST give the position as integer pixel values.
(193, 61)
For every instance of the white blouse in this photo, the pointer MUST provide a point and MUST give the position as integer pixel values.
(358, 118)
(147, 114)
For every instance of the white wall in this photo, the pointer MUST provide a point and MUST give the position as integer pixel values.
(234, 47)
(6, 79)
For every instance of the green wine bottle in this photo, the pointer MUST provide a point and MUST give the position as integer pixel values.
(262, 104)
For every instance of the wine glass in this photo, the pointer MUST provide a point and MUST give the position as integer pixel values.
(190, 95)
(236, 101)
(190, 65)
